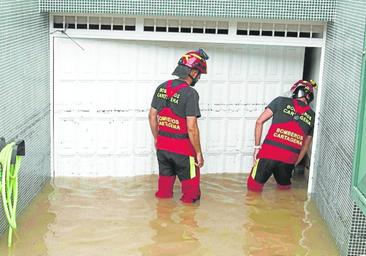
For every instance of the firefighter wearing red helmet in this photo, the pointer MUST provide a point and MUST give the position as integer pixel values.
(288, 138)
(173, 122)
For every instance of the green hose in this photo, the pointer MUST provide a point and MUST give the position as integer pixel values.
(9, 185)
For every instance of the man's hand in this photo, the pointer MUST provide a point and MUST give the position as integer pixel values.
(256, 150)
(200, 160)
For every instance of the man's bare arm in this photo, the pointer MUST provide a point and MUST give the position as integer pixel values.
(153, 121)
(304, 149)
(194, 137)
(266, 114)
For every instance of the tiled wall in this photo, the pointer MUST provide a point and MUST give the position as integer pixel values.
(338, 118)
(261, 9)
(24, 90)
(24, 78)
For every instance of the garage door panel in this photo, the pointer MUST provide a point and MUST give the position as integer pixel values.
(118, 97)
(89, 95)
(128, 61)
(103, 94)
(154, 167)
(236, 92)
(122, 142)
(142, 136)
(274, 63)
(104, 132)
(171, 53)
(238, 64)
(202, 124)
(233, 162)
(125, 98)
(63, 90)
(249, 125)
(219, 64)
(214, 163)
(65, 127)
(146, 62)
(166, 60)
(113, 68)
(76, 95)
(142, 93)
(86, 134)
(85, 66)
(104, 166)
(64, 52)
(234, 131)
(218, 93)
(141, 165)
(123, 166)
(253, 92)
(271, 90)
(204, 90)
(66, 165)
(122, 98)
(84, 164)
(256, 62)
(292, 65)
(247, 162)
(215, 135)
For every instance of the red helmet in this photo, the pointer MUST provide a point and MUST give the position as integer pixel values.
(195, 60)
(303, 88)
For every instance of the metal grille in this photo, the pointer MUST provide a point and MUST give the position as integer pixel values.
(263, 29)
(262, 9)
(337, 127)
(25, 101)
(94, 23)
(358, 233)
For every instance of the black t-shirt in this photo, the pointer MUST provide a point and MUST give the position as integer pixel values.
(184, 103)
(283, 108)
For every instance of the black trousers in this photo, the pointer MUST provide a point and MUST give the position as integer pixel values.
(264, 168)
(171, 164)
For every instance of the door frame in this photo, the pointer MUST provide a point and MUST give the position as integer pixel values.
(139, 34)
(357, 195)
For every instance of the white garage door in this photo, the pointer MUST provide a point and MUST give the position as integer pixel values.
(102, 96)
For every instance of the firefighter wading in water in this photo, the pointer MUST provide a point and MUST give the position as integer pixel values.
(287, 140)
(173, 122)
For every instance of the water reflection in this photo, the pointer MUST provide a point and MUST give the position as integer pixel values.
(282, 223)
(121, 216)
(175, 227)
(274, 227)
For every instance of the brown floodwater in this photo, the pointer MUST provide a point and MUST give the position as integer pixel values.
(121, 216)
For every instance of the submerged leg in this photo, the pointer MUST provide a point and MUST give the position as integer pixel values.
(283, 187)
(191, 190)
(165, 186)
(253, 185)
